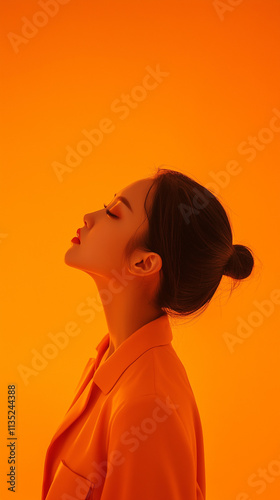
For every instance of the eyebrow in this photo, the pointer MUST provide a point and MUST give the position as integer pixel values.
(124, 200)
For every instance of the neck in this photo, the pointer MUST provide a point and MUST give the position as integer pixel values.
(126, 312)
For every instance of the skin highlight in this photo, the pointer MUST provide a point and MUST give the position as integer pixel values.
(103, 239)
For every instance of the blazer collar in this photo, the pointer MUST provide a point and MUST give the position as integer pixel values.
(154, 333)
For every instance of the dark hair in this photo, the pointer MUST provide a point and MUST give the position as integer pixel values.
(190, 230)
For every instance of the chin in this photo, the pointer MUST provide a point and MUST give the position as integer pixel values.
(68, 259)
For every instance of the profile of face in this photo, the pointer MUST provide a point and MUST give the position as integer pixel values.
(104, 235)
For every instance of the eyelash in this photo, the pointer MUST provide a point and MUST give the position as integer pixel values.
(110, 213)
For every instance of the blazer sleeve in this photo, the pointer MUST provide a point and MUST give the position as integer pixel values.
(150, 453)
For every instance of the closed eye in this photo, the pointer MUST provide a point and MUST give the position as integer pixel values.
(110, 213)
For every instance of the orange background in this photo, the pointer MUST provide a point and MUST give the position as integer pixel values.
(222, 87)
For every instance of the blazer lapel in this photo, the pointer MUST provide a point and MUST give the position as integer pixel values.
(82, 396)
(76, 407)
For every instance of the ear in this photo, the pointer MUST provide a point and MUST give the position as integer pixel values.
(144, 263)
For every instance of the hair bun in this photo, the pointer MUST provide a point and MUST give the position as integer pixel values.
(240, 263)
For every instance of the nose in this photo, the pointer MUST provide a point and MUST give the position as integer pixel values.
(86, 219)
(90, 218)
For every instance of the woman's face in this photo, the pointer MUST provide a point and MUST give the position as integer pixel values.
(104, 237)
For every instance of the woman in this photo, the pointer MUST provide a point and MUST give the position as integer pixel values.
(133, 431)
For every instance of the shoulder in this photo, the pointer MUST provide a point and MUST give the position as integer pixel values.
(157, 379)
(159, 371)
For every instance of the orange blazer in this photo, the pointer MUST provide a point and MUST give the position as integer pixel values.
(133, 430)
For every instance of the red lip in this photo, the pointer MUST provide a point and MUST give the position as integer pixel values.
(76, 239)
